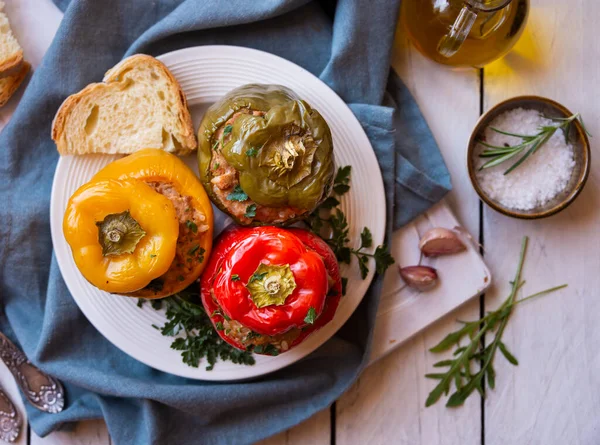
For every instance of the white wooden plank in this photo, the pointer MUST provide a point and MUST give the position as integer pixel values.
(553, 396)
(387, 403)
(90, 432)
(314, 431)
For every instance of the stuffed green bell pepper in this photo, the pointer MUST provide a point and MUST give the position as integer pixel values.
(265, 156)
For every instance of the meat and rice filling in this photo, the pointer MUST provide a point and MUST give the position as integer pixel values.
(189, 254)
(225, 179)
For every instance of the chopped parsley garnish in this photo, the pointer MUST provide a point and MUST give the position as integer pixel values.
(344, 285)
(266, 349)
(140, 302)
(216, 165)
(237, 194)
(257, 277)
(201, 253)
(186, 316)
(215, 145)
(219, 326)
(311, 316)
(330, 219)
(252, 152)
(180, 278)
(342, 180)
(193, 250)
(235, 277)
(156, 285)
(250, 211)
(191, 225)
(251, 335)
(227, 130)
(152, 255)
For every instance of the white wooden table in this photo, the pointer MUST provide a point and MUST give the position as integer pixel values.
(553, 396)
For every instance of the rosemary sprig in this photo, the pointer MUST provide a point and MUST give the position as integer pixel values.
(459, 371)
(529, 145)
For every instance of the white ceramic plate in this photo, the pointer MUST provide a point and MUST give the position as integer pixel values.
(206, 73)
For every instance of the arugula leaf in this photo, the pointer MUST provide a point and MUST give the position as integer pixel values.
(237, 195)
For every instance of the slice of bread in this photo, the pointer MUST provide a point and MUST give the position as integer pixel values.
(9, 84)
(11, 54)
(138, 105)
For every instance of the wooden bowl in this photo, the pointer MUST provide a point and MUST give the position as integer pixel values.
(577, 137)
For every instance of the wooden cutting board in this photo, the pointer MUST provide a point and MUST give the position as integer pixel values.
(403, 311)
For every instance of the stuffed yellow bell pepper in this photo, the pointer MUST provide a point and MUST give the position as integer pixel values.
(118, 244)
(167, 177)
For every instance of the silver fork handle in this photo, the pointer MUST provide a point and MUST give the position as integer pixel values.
(43, 391)
(10, 420)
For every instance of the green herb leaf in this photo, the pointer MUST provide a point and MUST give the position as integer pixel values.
(237, 195)
(219, 326)
(362, 266)
(140, 302)
(511, 358)
(330, 203)
(435, 376)
(257, 276)
(194, 249)
(227, 130)
(250, 211)
(252, 152)
(343, 175)
(235, 277)
(460, 367)
(344, 285)
(199, 340)
(311, 316)
(340, 189)
(530, 143)
(366, 239)
(383, 259)
(192, 226)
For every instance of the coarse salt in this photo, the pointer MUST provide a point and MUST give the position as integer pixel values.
(536, 181)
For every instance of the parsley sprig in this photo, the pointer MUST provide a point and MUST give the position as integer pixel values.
(460, 367)
(196, 337)
(334, 229)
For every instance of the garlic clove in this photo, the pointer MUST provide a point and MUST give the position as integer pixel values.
(419, 277)
(440, 241)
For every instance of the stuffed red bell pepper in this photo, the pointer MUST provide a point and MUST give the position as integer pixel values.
(266, 288)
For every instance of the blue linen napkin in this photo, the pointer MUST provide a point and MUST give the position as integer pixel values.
(348, 45)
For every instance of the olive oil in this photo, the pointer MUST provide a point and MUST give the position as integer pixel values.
(492, 35)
